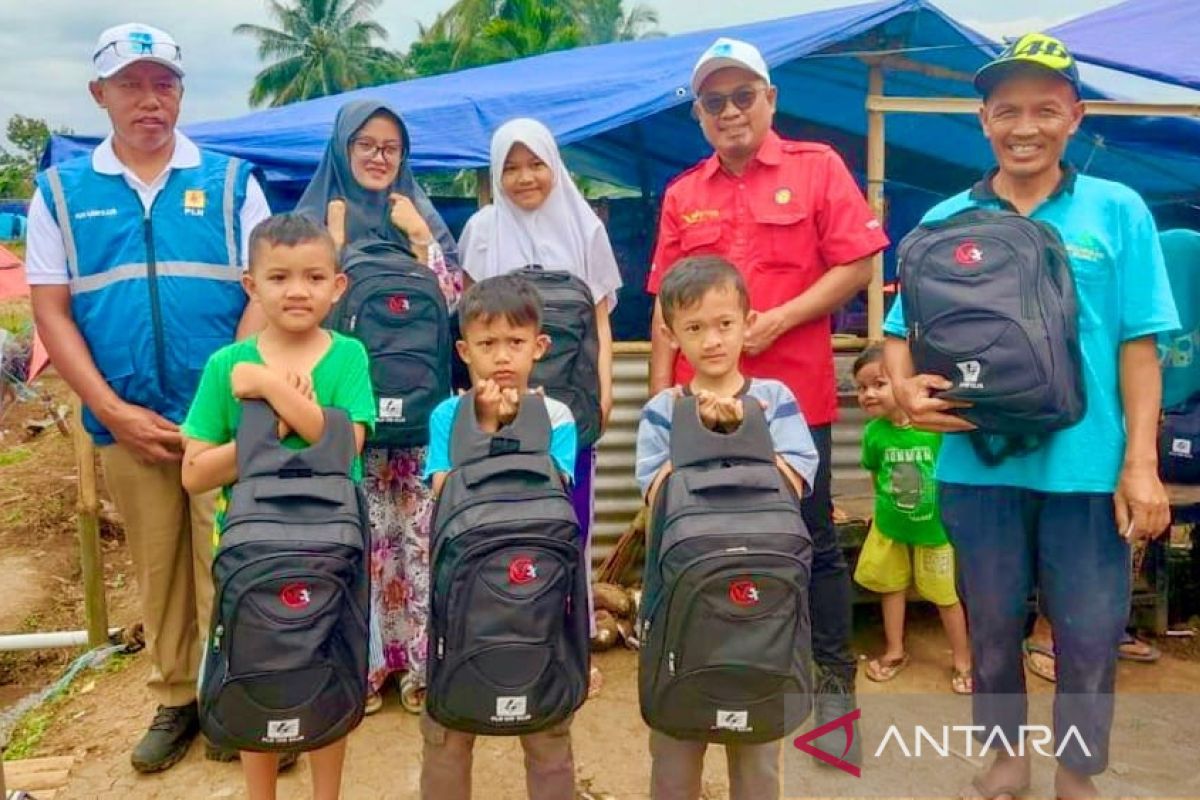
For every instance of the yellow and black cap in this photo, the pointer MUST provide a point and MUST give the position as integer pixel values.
(1032, 52)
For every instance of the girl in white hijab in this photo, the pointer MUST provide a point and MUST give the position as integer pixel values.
(538, 216)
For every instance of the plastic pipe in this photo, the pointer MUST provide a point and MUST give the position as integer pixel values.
(45, 641)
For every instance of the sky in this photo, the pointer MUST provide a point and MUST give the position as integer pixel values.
(48, 43)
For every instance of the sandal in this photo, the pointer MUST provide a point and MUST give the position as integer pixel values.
(1033, 652)
(412, 694)
(882, 671)
(595, 682)
(961, 682)
(1132, 648)
(374, 703)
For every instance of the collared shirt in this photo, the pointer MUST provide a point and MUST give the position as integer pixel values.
(1123, 294)
(794, 213)
(46, 257)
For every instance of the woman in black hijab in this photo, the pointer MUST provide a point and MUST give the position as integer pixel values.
(364, 189)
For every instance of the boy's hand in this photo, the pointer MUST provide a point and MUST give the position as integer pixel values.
(487, 405)
(706, 405)
(510, 403)
(302, 384)
(719, 413)
(250, 381)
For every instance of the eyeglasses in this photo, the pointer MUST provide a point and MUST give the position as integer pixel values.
(136, 48)
(743, 99)
(367, 148)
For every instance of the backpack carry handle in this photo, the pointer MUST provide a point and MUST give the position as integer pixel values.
(477, 473)
(311, 489)
(260, 452)
(692, 443)
(529, 432)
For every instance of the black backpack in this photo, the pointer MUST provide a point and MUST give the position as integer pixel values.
(1179, 443)
(724, 621)
(286, 664)
(395, 306)
(570, 371)
(989, 299)
(508, 617)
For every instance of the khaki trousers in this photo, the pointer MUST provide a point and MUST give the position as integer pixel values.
(169, 535)
(446, 758)
(676, 768)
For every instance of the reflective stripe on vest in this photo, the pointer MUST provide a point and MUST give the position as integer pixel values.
(172, 269)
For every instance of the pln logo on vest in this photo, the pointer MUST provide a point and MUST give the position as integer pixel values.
(522, 570)
(743, 592)
(296, 596)
(968, 254)
(194, 202)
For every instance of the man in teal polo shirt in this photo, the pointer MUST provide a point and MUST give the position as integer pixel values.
(135, 257)
(1060, 518)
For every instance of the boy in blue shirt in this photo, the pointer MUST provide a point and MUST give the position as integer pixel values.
(1061, 517)
(502, 337)
(706, 313)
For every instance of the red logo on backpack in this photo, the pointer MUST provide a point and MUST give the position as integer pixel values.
(398, 304)
(295, 595)
(522, 570)
(743, 592)
(968, 254)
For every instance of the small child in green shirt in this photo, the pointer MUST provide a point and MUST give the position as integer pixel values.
(907, 543)
(297, 367)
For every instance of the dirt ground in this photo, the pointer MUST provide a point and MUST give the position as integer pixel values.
(100, 726)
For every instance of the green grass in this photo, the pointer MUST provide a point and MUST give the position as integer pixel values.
(14, 455)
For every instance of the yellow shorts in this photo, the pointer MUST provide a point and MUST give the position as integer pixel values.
(887, 566)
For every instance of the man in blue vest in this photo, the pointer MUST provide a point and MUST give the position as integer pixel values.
(135, 256)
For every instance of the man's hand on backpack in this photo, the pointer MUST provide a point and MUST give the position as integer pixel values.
(915, 397)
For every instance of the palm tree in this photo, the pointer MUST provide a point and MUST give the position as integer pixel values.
(527, 28)
(321, 47)
(603, 21)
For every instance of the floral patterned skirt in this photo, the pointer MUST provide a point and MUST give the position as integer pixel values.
(401, 507)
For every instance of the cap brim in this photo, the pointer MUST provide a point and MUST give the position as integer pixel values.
(720, 62)
(171, 65)
(990, 75)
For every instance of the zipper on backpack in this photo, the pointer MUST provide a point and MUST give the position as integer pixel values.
(218, 632)
(671, 662)
(441, 648)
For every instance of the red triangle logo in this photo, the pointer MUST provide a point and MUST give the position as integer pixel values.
(846, 722)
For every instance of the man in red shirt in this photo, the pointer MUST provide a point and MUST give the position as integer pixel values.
(793, 221)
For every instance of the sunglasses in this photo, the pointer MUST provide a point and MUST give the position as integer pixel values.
(744, 98)
(366, 148)
(133, 48)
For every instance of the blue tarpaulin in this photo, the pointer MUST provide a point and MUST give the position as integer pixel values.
(623, 110)
(1156, 39)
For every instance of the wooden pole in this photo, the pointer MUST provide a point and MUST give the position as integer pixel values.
(875, 176)
(91, 559)
(483, 186)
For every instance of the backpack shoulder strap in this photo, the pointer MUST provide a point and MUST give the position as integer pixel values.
(528, 433)
(692, 443)
(260, 453)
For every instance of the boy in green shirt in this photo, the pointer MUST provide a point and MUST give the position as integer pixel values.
(906, 543)
(297, 367)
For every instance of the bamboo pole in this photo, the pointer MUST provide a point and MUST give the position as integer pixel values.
(875, 178)
(91, 560)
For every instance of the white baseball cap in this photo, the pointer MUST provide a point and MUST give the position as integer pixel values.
(725, 52)
(122, 45)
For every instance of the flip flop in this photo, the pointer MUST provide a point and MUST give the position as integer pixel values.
(1030, 649)
(961, 682)
(1147, 656)
(882, 671)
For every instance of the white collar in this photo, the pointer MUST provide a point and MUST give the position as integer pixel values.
(104, 158)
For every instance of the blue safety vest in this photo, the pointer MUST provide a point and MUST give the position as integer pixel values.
(155, 292)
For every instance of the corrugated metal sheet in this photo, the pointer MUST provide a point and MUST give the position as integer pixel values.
(617, 496)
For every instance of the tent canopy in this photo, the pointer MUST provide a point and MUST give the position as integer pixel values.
(1152, 38)
(622, 111)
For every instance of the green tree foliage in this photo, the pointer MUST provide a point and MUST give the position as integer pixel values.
(29, 137)
(320, 47)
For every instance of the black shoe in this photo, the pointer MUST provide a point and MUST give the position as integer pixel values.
(167, 741)
(224, 755)
(834, 698)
